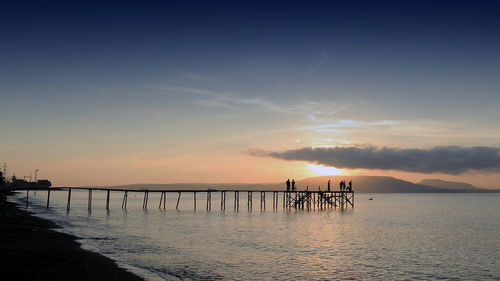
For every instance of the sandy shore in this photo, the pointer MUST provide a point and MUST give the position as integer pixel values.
(31, 250)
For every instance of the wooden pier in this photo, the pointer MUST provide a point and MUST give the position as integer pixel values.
(301, 200)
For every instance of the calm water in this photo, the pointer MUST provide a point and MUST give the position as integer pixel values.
(395, 236)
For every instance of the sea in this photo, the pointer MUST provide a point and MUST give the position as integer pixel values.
(448, 236)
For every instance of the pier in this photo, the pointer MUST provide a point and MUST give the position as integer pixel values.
(301, 200)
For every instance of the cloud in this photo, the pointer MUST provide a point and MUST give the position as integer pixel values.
(230, 101)
(351, 124)
(324, 57)
(226, 100)
(439, 159)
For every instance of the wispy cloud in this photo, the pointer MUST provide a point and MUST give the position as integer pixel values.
(187, 90)
(199, 77)
(231, 101)
(322, 60)
(440, 159)
(349, 124)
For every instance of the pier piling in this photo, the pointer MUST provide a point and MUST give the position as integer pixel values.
(194, 199)
(274, 200)
(107, 200)
(277, 200)
(223, 200)
(264, 199)
(90, 200)
(145, 200)
(284, 205)
(125, 199)
(161, 200)
(69, 199)
(48, 197)
(236, 200)
(250, 200)
(178, 199)
(209, 200)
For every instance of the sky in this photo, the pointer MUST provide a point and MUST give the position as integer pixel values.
(108, 93)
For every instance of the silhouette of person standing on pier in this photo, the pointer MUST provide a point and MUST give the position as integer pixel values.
(293, 185)
(328, 185)
(340, 186)
(350, 186)
(288, 185)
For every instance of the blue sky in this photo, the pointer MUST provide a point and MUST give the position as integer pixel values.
(88, 86)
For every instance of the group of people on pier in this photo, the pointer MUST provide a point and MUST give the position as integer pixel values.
(344, 187)
(290, 186)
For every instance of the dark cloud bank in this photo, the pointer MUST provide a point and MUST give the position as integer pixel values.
(440, 159)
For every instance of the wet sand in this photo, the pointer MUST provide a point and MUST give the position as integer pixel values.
(31, 250)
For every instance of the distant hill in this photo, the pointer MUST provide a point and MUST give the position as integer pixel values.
(367, 184)
(448, 185)
(201, 186)
(364, 184)
(376, 184)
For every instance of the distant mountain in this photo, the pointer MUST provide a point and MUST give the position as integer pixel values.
(448, 185)
(367, 184)
(364, 184)
(201, 186)
(376, 184)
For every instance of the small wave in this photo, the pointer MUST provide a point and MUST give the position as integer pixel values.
(103, 238)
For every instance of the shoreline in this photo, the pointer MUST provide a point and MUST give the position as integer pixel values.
(31, 250)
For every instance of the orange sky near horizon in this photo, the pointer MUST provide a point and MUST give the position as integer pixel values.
(210, 168)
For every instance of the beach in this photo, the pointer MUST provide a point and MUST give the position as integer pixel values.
(30, 249)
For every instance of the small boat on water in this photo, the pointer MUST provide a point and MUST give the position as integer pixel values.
(371, 198)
